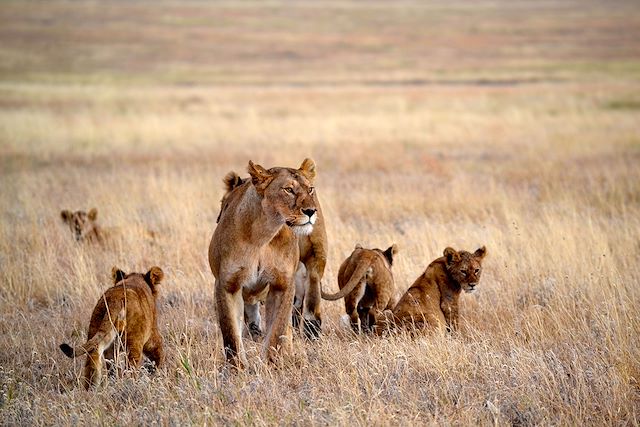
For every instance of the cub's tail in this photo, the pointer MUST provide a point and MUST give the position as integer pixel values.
(103, 337)
(356, 278)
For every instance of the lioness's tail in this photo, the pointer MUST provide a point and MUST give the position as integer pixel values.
(103, 337)
(356, 277)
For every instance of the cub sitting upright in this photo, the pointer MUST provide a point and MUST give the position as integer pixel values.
(128, 310)
(432, 300)
(367, 286)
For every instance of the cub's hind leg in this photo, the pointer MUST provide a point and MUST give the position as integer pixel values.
(351, 303)
(154, 350)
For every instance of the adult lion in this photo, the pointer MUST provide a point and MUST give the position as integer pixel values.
(432, 300)
(254, 253)
(313, 259)
(367, 286)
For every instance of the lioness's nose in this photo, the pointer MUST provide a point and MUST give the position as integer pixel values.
(309, 212)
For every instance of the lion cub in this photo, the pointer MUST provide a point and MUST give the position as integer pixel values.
(83, 225)
(128, 311)
(432, 300)
(367, 286)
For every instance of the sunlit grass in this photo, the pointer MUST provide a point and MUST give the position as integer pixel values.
(539, 166)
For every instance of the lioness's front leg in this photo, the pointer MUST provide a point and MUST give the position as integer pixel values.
(278, 310)
(312, 316)
(230, 306)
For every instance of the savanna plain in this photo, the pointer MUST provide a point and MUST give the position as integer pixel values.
(514, 125)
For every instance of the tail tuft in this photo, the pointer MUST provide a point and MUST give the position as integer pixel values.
(67, 350)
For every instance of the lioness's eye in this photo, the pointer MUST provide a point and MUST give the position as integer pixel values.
(464, 272)
(311, 190)
(288, 190)
(477, 270)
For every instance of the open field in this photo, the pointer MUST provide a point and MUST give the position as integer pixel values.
(510, 124)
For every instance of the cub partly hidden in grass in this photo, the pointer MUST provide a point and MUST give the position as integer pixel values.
(83, 225)
(124, 315)
(85, 228)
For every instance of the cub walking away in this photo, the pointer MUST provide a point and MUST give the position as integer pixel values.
(367, 286)
(128, 311)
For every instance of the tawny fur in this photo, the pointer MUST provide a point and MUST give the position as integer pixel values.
(367, 286)
(85, 228)
(313, 257)
(126, 310)
(254, 253)
(432, 300)
(83, 225)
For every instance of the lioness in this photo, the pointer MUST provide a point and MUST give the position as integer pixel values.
(127, 310)
(83, 225)
(366, 284)
(313, 259)
(254, 252)
(432, 300)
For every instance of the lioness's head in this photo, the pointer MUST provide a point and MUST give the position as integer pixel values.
(288, 194)
(464, 267)
(80, 223)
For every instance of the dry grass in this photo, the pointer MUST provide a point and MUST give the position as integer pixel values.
(514, 125)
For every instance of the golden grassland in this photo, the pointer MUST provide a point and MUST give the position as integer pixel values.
(510, 124)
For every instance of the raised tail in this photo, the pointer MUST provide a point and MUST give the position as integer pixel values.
(356, 278)
(102, 338)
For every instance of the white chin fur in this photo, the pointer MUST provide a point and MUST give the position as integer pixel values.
(469, 291)
(302, 230)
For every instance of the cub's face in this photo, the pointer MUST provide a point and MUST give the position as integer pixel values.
(288, 194)
(80, 223)
(464, 267)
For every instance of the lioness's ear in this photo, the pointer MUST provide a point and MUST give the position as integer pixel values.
(259, 176)
(308, 169)
(154, 276)
(390, 252)
(358, 246)
(480, 252)
(66, 215)
(451, 255)
(117, 275)
(93, 214)
(231, 181)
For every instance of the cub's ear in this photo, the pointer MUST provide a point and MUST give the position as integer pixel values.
(66, 215)
(480, 252)
(358, 246)
(308, 169)
(93, 214)
(259, 176)
(154, 276)
(231, 181)
(391, 252)
(451, 255)
(117, 275)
